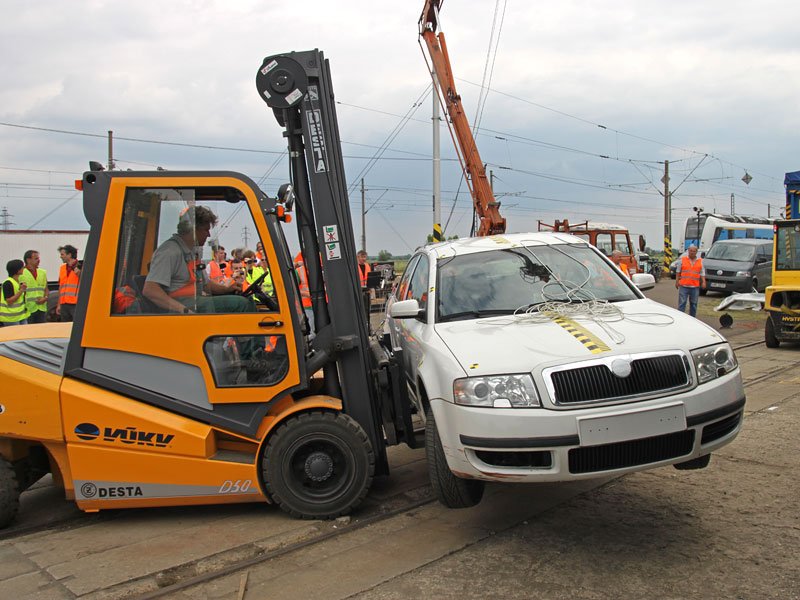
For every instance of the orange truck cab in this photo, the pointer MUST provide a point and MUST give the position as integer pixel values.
(606, 237)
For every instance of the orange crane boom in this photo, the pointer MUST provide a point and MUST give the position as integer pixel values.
(486, 206)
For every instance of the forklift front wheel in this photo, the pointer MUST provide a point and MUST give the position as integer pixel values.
(318, 465)
(770, 339)
(9, 493)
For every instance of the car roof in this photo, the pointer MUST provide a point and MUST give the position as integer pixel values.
(500, 242)
(749, 241)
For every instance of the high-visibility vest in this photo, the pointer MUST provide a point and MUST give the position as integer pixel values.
(690, 273)
(302, 280)
(218, 274)
(124, 296)
(37, 288)
(257, 272)
(190, 289)
(67, 286)
(14, 311)
(363, 271)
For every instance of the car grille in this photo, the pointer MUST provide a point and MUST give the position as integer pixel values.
(720, 429)
(607, 457)
(597, 382)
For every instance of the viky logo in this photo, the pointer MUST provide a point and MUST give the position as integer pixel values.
(126, 435)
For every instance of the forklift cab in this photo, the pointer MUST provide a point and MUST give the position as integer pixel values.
(220, 354)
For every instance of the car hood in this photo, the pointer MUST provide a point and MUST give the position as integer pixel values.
(726, 265)
(518, 344)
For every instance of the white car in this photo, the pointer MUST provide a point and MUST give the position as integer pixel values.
(531, 357)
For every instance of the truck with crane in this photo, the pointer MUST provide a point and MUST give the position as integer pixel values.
(485, 205)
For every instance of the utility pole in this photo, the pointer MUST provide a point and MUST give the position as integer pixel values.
(245, 235)
(667, 218)
(438, 235)
(110, 150)
(733, 205)
(363, 219)
(5, 218)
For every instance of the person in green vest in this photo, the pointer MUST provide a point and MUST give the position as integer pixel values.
(36, 294)
(254, 271)
(12, 296)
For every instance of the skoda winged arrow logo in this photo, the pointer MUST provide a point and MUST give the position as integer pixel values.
(621, 367)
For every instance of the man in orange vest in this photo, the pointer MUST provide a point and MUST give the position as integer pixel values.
(363, 267)
(616, 258)
(68, 280)
(689, 278)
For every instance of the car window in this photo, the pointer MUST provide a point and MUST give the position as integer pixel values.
(508, 280)
(737, 252)
(418, 285)
(621, 243)
(402, 288)
(603, 243)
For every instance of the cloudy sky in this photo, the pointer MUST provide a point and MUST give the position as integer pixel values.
(586, 102)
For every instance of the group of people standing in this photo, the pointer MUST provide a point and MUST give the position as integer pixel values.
(23, 297)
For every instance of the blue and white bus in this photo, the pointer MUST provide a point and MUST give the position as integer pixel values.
(706, 229)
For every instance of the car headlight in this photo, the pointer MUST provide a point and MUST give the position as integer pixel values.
(496, 391)
(743, 273)
(713, 361)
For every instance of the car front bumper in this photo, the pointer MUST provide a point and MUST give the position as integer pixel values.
(728, 284)
(528, 445)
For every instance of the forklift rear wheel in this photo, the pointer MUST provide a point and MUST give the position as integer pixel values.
(450, 490)
(9, 493)
(318, 465)
(770, 340)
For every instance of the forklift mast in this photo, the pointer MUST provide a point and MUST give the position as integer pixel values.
(297, 86)
(486, 205)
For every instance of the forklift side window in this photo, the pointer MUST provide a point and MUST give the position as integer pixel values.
(247, 360)
(171, 238)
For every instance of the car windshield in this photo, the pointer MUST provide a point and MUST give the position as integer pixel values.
(505, 281)
(737, 252)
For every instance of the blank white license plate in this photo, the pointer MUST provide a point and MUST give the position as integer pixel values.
(716, 284)
(632, 425)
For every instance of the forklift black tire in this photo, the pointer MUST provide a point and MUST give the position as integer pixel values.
(9, 493)
(450, 490)
(701, 462)
(318, 465)
(770, 340)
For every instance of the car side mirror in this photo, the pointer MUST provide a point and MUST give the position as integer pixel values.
(405, 309)
(643, 281)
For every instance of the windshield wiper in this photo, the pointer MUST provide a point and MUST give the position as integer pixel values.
(475, 314)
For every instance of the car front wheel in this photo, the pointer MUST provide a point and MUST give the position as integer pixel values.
(452, 491)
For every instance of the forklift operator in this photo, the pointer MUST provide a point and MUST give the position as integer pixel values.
(174, 283)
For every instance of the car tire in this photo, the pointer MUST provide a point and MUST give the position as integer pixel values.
(770, 339)
(318, 465)
(9, 493)
(701, 462)
(755, 285)
(452, 491)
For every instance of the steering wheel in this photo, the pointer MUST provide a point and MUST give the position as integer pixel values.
(256, 285)
(254, 289)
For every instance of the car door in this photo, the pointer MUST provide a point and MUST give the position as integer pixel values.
(764, 268)
(411, 332)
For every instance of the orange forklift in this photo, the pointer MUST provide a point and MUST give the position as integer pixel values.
(137, 405)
